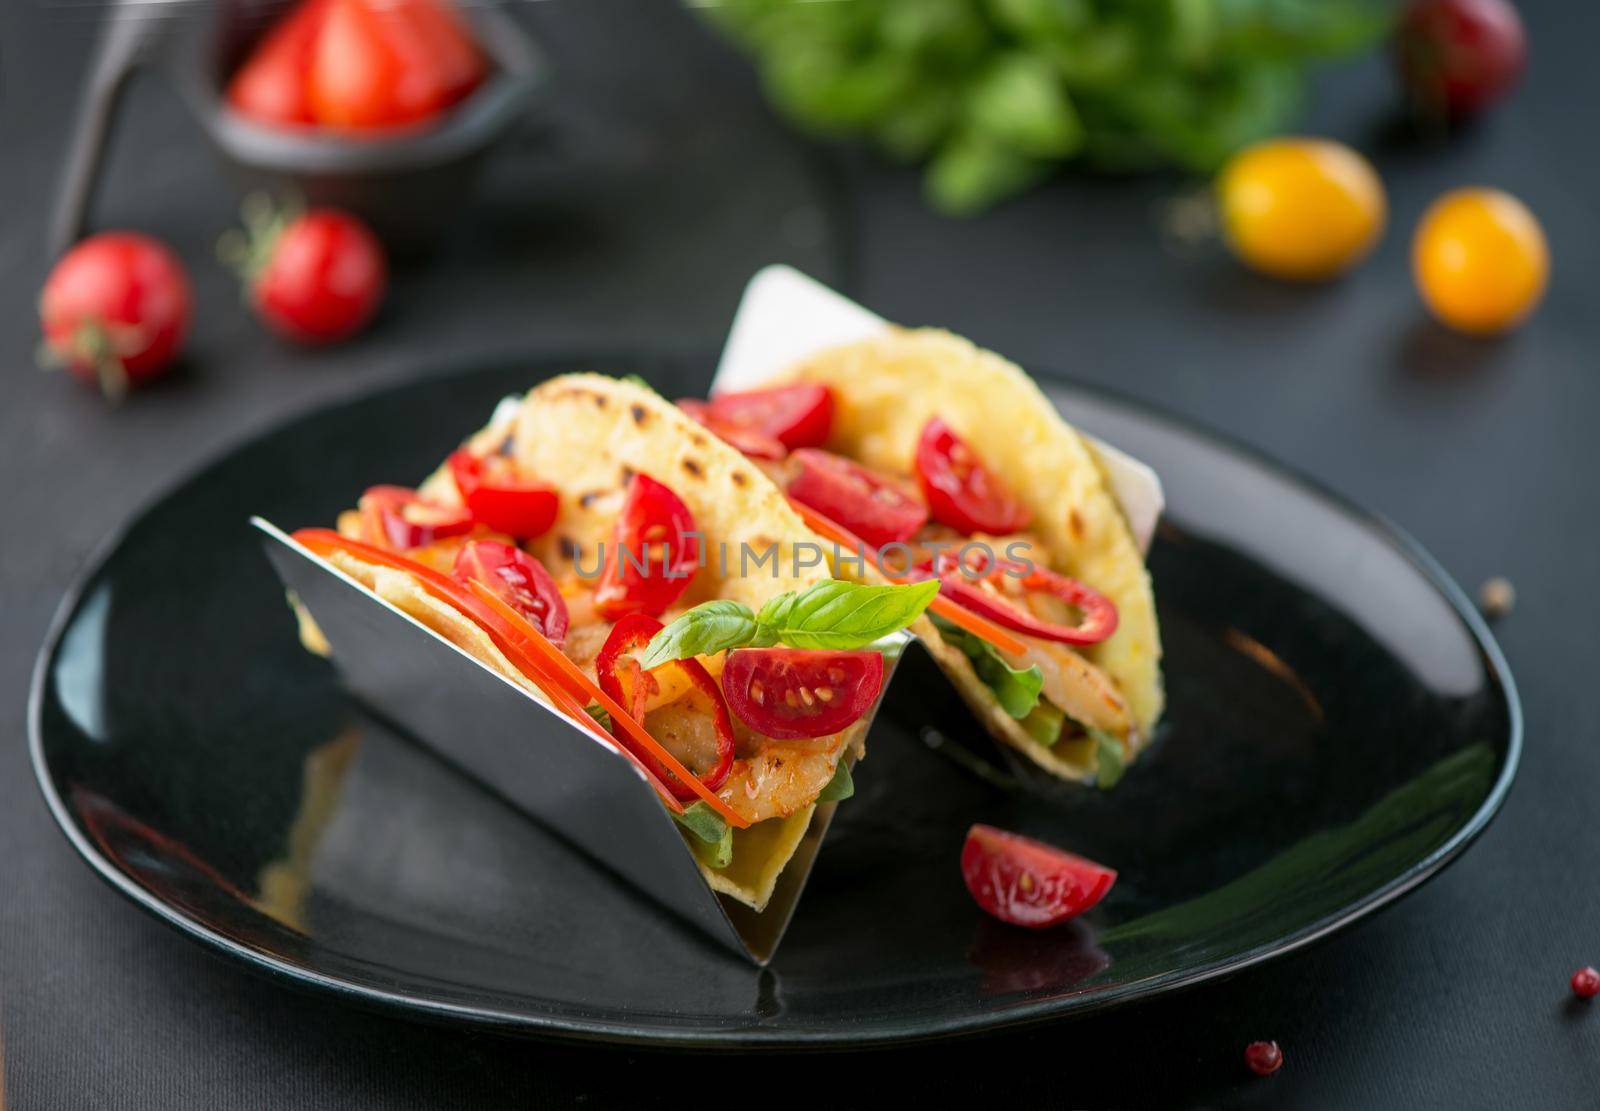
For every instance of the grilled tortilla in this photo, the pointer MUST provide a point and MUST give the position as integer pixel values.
(586, 435)
(887, 388)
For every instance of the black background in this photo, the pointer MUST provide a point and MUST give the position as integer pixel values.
(643, 195)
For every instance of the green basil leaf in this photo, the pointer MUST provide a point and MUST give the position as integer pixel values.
(709, 627)
(840, 787)
(1112, 764)
(840, 615)
(599, 714)
(1016, 689)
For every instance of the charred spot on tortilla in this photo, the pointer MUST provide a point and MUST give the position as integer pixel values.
(568, 547)
(692, 467)
(626, 474)
(740, 478)
(1075, 522)
(697, 439)
(640, 414)
(589, 497)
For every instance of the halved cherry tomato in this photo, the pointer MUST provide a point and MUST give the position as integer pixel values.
(654, 552)
(961, 491)
(873, 508)
(387, 64)
(489, 486)
(397, 517)
(792, 693)
(624, 680)
(796, 416)
(271, 86)
(1028, 883)
(519, 580)
(757, 445)
(1099, 618)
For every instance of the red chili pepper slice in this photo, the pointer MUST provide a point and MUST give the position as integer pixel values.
(631, 686)
(496, 498)
(654, 552)
(397, 517)
(961, 491)
(517, 579)
(1099, 613)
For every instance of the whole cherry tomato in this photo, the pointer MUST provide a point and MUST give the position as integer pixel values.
(1028, 883)
(520, 581)
(1457, 57)
(314, 278)
(115, 310)
(793, 693)
(653, 554)
(873, 508)
(1480, 260)
(498, 499)
(961, 491)
(1303, 209)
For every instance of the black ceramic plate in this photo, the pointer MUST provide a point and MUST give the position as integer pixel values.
(1340, 726)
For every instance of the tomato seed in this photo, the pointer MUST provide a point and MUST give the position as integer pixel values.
(1264, 1058)
(825, 694)
(1586, 983)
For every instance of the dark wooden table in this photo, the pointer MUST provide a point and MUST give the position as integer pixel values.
(631, 213)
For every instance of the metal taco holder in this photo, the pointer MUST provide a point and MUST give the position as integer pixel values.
(532, 755)
(543, 763)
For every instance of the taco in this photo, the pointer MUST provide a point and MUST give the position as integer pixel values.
(593, 545)
(947, 461)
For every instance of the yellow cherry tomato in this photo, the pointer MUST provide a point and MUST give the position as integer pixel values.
(1302, 209)
(1480, 260)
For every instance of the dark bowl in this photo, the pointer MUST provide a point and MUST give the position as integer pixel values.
(405, 182)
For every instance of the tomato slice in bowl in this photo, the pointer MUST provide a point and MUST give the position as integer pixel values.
(794, 693)
(654, 552)
(683, 681)
(873, 508)
(517, 579)
(496, 498)
(961, 491)
(796, 416)
(397, 517)
(1027, 882)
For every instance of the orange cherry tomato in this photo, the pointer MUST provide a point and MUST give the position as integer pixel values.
(1302, 209)
(1480, 260)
